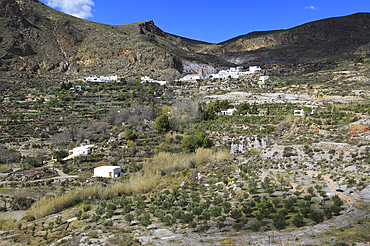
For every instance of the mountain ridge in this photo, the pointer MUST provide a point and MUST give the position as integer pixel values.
(37, 39)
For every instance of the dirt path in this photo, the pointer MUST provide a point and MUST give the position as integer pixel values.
(60, 173)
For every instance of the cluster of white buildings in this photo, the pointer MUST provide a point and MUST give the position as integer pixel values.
(233, 72)
(101, 78)
(301, 112)
(149, 80)
(102, 171)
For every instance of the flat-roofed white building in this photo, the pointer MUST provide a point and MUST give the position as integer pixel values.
(150, 80)
(107, 171)
(254, 69)
(102, 78)
(83, 150)
(230, 111)
(194, 77)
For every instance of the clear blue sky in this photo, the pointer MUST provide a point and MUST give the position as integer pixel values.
(211, 21)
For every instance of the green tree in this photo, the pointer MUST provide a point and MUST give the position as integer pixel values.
(162, 124)
(129, 218)
(200, 139)
(359, 59)
(337, 201)
(226, 206)
(298, 220)
(129, 135)
(256, 226)
(317, 216)
(328, 213)
(311, 191)
(59, 155)
(279, 221)
(335, 209)
(236, 214)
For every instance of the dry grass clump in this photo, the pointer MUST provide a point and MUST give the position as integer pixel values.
(141, 182)
(7, 224)
(166, 163)
(223, 155)
(55, 204)
(4, 167)
(137, 183)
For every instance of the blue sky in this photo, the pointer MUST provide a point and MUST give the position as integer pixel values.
(211, 21)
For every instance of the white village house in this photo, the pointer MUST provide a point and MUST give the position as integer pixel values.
(299, 112)
(150, 80)
(107, 171)
(230, 111)
(261, 81)
(83, 150)
(102, 78)
(194, 77)
(234, 73)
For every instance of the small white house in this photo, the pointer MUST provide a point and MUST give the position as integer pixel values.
(83, 150)
(261, 81)
(194, 77)
(150, 80)
(254, 69)
(230, 111)
(107, 171)
(299, 112)
(102, 78)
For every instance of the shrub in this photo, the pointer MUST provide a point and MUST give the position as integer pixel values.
(317, 216)
(256, 226)
(226, 206)
(216, 211)
(108, 223)
(337, 201)
(335, 209)
(145, 219)
(59, 155)
(298, 220)
(200, 139)
(204, 228)
(238, 226)
(328, 213)
(359, 59)
(129, 218)
(187, 218)
(95, 218)
(129, 135)
(86, 207)
(162, 124)
(236, 214)
(279, 221)
(78, 215)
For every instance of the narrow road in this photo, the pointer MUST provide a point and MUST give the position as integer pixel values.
(60, 173)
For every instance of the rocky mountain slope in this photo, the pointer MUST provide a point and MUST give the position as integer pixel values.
(35, 38)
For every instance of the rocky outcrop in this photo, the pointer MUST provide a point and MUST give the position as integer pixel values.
(316, 152)
(241, 143)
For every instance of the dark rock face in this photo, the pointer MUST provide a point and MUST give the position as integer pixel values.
(324, 39)
(9, 8)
